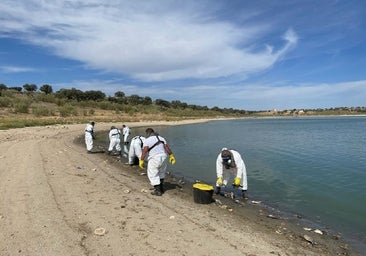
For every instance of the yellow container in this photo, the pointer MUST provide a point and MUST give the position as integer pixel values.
(202, 193)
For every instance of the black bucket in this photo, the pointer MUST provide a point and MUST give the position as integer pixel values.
(202, 193)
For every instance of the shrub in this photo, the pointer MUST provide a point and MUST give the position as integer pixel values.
(5, 102)
(105, 105)
(68, 110)
(7, 93)
(41, 111)
(45, 98)
(60, 102)
(21, 107)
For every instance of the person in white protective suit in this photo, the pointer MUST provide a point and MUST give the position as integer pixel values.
(114, 140)
(125, 133)
(155, 149)
(230, 162)
(135, 150)
(89, 136)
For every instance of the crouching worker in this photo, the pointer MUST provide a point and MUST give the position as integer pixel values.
(156, 151)
(230, 161)
(135, 150)
(114, 140)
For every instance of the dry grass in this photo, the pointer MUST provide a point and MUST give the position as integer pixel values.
(9, 119)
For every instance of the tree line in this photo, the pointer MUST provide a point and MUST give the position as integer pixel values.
(119, 97)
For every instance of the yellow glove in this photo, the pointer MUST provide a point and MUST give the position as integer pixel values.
(236, 181)
(141, 164)
(219, 181)
(171, 159)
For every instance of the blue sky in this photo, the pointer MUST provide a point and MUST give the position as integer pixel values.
(252, 55)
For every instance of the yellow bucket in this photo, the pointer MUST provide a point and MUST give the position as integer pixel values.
(202, 193)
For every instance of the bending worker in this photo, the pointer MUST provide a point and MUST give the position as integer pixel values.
(156, 149)
(135, 150)
(230, 161)
(125, 133)
(114, 140)
(89, 136)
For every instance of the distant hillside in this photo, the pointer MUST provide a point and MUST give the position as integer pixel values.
(21, 109)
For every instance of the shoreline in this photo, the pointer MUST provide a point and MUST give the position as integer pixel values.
(261, 212)
(57, 197)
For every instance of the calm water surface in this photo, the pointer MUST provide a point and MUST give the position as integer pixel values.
(314, 167)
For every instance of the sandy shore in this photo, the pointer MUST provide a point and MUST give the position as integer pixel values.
(57, 200)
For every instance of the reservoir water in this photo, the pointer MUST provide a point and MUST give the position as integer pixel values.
(313, 166)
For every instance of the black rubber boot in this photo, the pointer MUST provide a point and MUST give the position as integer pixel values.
(244, 194)
(217, 190)
(162, 186)
(157, 191)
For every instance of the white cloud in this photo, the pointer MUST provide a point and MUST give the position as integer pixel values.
(149, 42)
(193, 51)
(14, 69)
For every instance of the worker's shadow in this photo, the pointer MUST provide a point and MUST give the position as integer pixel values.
(97, 152)
(171, 186)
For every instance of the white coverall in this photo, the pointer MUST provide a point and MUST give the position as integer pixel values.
(89, 134)
(135, 148)
(126, 133)
(114, 140)
(239, 171)
(157, 159)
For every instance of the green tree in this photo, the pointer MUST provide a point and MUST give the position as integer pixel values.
(3, 87)
(16, 88)
(119, 94)
(178, 104)
(146, 100)
(30, 87)
(162, 103)
(215, 108)
(70, 94)
(134, 99)
(94, 95)
(47, 89)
